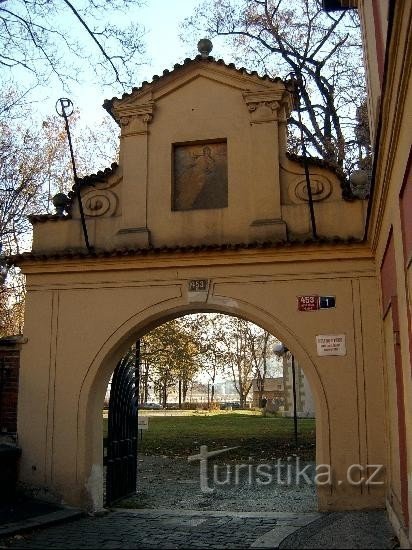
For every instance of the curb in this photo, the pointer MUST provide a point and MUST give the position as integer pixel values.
(37, 522)
(283, 529)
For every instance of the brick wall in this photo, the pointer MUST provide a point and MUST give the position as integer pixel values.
(9, 383)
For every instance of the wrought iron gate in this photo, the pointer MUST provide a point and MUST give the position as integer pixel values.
(122, 429)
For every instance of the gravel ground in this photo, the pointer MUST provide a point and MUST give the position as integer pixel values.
(174, 483)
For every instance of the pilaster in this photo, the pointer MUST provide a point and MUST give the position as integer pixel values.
(134, 122)
(267, 109)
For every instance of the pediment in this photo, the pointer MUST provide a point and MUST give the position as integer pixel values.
(142, 100)
(203, 162)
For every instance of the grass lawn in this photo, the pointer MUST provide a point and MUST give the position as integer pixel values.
(255, 435)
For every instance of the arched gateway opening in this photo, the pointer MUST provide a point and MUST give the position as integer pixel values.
(220, 382)
(98, 375)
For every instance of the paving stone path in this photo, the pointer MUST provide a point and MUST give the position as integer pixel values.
(174, 529)
(167, 529)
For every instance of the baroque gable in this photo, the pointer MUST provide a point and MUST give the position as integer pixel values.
(203, 162)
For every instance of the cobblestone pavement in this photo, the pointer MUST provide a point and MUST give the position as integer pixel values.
(174, 483)
(164, 529)
(362, 529)
(161, 529)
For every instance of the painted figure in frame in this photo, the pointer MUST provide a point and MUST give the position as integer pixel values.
(200, 176)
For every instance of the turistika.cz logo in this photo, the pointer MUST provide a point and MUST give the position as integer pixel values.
(283, 472)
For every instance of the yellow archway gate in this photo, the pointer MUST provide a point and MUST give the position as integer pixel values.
(206, 211)
(89, 322)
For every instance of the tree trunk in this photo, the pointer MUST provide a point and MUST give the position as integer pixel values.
(242, 399)
(185, 387)
(260, 383)
(146, 382)
(164, 396)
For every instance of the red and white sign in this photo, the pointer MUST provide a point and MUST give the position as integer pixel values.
(308, 303)
(331, 344)
(314, 302)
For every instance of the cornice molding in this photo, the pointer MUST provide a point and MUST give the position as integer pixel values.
(134, 117)
(269, 105)
(393, 107)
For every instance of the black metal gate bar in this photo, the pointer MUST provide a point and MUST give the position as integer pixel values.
(122, 430)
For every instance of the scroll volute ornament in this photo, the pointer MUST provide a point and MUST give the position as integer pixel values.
(99, 202)
(321, 189)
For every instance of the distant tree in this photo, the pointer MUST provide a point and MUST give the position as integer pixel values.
(238, 355)
(261, 345)
(169, 354)
(144, 374)
(176, 352)
(187, 354)
(322, 50)
(12, 298)
(34, 165)
(212, 353)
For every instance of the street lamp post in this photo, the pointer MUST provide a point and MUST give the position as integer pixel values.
(295, 414)
(282, 350)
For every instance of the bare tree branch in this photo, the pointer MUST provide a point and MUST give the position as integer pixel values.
(284, 36)
(34, 38)
(93, 37)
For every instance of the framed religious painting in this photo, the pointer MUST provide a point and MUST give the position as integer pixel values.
(199, 179)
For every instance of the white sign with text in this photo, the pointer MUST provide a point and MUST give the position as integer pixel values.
(143, 422)
(331, 344)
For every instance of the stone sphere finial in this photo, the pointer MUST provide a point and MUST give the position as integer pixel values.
(360, 183)
(204, 47)
(60, 202)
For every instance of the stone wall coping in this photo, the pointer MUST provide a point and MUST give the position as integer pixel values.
(13, 341)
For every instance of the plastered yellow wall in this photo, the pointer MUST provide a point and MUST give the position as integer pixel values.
(91, 313)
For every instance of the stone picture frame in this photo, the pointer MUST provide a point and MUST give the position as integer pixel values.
(199, 178)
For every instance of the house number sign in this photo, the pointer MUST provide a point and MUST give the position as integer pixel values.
(198, 285)
(314, 303)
